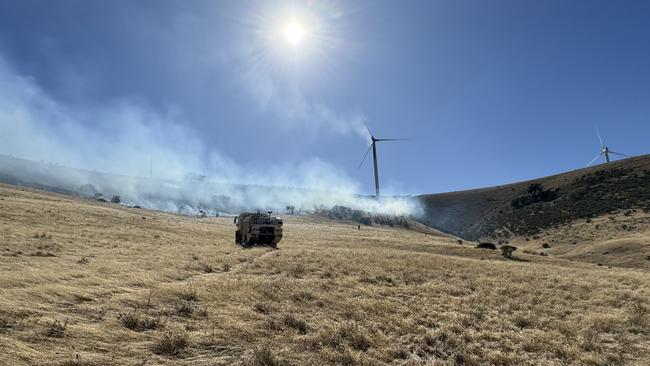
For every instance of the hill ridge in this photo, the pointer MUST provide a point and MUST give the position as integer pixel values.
(529, 206)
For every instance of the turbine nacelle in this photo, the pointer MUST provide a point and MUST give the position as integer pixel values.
(604, 151)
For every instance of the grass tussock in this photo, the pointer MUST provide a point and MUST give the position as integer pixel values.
(288, 322)
(189, 294)
(11, 322)
(294, 322)
(263, 356)
(262, 308)
(139, 322)
(55, 329)
(171, 343)
(188, 309)
(350, 334)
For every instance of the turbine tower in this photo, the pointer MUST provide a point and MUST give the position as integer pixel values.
(604, 151)
(373, 146)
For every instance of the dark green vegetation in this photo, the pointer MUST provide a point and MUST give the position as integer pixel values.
(526, 208)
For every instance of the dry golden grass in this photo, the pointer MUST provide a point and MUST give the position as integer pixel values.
(84, 283)
(619, 239)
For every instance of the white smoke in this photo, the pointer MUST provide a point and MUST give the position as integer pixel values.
(127, 137)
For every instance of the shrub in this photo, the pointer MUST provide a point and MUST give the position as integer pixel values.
(536, 193)
(170, 344)
(138, 322)
(507, 250)
(523, 320)
(290, 209)
(486, 246)
(535, 188)
(185, 309)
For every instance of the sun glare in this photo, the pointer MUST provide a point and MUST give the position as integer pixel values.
(294, 33)
(295, 37)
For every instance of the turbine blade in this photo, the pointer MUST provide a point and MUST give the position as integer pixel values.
(368, 128)
(365, 156)
(602, 144)
(391, 139)
(594, 159)
(617, 153)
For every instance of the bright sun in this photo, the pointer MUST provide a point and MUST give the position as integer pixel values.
(294, 33)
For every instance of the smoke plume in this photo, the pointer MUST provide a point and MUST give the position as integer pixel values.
(129, 144)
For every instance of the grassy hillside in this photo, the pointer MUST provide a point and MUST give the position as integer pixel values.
(528, 209)
(619, 239)
(86, 283)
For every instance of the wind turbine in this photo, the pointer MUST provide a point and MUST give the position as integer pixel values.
(604, 151)
(373, 146)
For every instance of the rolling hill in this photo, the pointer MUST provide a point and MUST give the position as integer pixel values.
(598, 214)
(577, 214)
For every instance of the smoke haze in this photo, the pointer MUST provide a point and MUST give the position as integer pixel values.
(130, 141)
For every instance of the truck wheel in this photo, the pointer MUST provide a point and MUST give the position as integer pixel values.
(237, 237)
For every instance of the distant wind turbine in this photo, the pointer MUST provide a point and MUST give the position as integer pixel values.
(604, 151)
(373, 146)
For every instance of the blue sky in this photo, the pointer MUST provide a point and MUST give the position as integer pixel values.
(487, 92)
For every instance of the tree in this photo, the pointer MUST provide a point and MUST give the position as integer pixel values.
(290, 209)
(507, 250)
(535, 188)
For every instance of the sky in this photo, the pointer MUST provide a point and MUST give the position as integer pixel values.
(486, 92)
